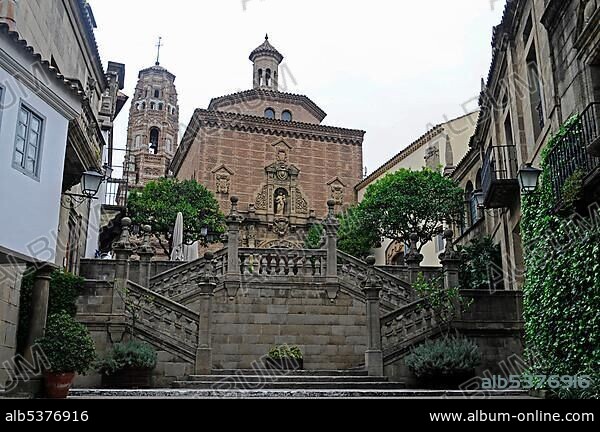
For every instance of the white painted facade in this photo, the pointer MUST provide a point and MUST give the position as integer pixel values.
(29, 207)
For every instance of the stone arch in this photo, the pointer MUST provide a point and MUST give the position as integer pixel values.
(394, 255)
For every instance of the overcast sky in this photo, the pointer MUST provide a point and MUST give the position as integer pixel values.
(392, 68)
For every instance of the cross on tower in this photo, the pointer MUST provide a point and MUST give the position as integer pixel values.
(159, 45)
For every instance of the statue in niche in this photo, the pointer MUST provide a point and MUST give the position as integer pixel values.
(280, 203)
(282, 157)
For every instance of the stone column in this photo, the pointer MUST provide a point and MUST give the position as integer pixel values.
(123, 250)
(146, 253)
(374, 353)
(413, 260)
(207, 286)
(450, 260)
(39, 307)
(331, 226)
(233, 278)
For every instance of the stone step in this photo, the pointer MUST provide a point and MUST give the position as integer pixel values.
(290, 385)
(295, 394)
(254, 379)
(262, 372)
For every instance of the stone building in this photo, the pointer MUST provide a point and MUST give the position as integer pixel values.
(442, 147)
(53, 128)
(545, 69)
(271, 150)
(152, 135)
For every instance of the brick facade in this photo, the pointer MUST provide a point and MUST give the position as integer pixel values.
(236, 148)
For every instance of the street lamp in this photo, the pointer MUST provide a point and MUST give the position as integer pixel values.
(529, 178)
(479, 198)
(90, 183)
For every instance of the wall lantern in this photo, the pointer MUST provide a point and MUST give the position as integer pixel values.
(529, 178)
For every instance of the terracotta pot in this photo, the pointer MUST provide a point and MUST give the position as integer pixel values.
(58, 384)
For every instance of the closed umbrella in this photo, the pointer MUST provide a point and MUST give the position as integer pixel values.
(178, 253)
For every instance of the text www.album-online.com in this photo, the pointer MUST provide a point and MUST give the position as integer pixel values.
(537, 416)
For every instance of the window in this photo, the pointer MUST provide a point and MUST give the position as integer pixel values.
(152, 106)
(28, 142)
(439, 243)
(286, 116)
(268, 78)
(160, 107)
(143, 105)
(154, 137)
(471, 203)
(168, 144)
(535, 92)
(156, 93)
(173, 111)
(138, 141)
(260, 78)
(270, 113)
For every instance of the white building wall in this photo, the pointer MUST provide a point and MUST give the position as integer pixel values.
(30, 207)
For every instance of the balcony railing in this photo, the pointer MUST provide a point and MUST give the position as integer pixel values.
(116, 193)
(499, 176)
(570, 154)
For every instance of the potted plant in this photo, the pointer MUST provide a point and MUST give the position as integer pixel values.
(69, 350)
(445, 363)
(129, 365)
(286, 357)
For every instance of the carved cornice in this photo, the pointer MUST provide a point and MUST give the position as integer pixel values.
(268, 95)
(207, 119)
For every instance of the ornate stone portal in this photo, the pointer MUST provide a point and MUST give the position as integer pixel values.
(281, 212)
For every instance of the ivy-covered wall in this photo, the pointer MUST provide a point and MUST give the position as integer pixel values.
(562, 286)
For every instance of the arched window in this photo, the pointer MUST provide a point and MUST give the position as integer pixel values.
(156, 93)
(154, 138)
(270, 113)
(286, 116)
(478, 181)
(260, 78)
(168, 144)
(138, 141)
(160, 106)
(152, 106)
(173, 111)
(143, 105)
(268, 78)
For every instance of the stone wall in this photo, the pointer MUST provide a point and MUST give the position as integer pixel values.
(494, 323)
(331, 334)
(10, 285)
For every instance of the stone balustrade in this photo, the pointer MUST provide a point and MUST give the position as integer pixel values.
(164, 322)
(353, 273)
(183, 279)
(283, 263)
(407, 325)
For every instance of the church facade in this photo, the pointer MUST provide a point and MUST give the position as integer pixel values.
(271, 150)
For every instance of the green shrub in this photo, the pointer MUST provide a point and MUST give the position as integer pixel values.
(285, 351)
(444, 358)
(314, 237)
(64, 291)
(481, 263)
(562, 282)
(67, 345)
(129, 355)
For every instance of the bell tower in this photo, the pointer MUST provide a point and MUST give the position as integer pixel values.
(153, 130)
(266, 61)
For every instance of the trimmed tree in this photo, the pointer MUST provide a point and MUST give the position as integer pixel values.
(159, 203)
(355, 236)
(412, 202)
